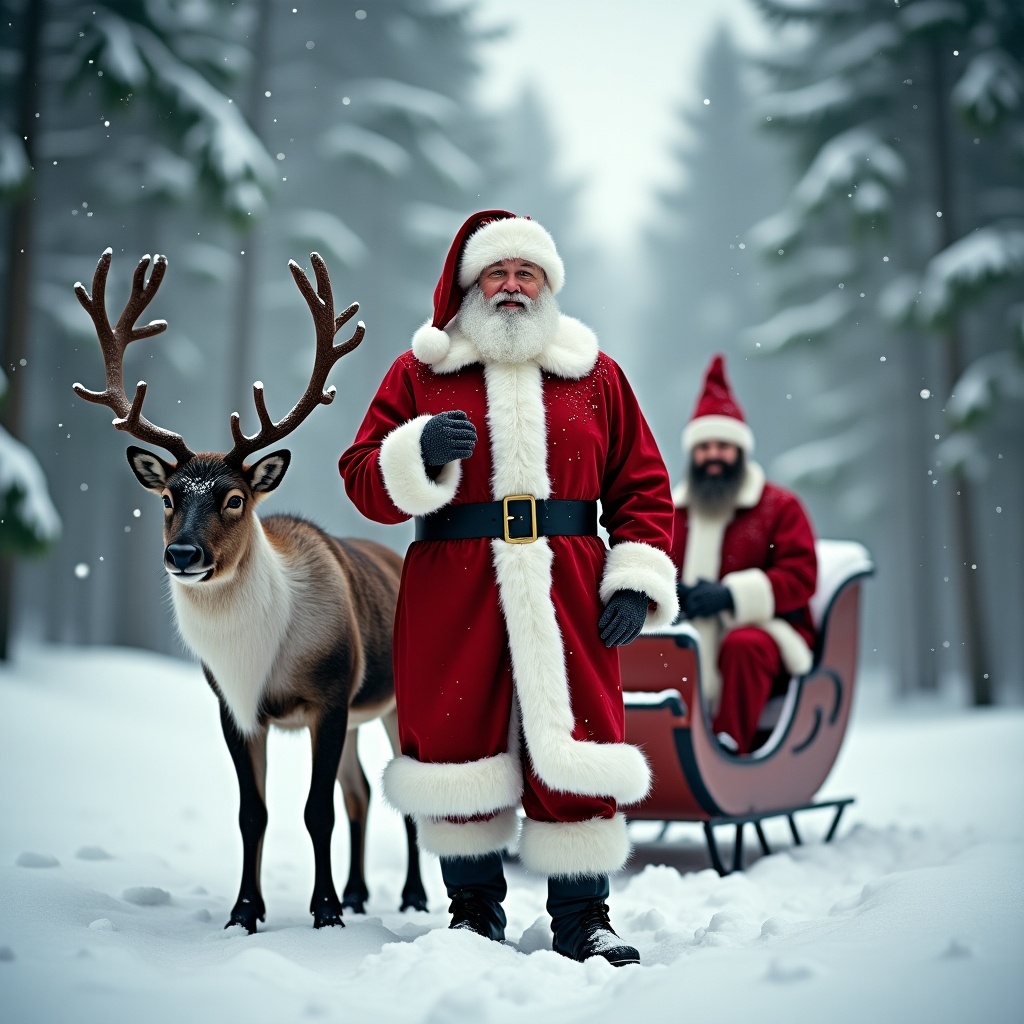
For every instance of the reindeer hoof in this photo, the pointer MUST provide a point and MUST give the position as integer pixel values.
(354, 903)
(413, 901)
(327, 912)
(246, 913)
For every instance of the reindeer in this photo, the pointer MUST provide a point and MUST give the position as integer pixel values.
(293, 627)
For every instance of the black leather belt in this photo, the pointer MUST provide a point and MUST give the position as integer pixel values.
(517, 519)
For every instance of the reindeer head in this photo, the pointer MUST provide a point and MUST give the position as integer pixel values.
(208, 506)
(209, 498)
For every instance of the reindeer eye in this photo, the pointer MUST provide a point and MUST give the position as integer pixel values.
(167, 502)
(234, 501)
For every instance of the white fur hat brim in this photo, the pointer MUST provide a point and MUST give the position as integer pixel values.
(509, 239)
(718, 428)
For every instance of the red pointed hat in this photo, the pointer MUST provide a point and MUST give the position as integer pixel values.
(717, 415)
(485, 238)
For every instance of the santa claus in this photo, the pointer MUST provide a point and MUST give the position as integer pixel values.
(500, 432)
(745, 550)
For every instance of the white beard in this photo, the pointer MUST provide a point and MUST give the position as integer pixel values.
(508, 335)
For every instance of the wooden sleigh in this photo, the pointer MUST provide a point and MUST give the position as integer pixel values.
(694, 777)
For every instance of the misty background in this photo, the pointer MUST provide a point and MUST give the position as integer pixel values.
(831, 192)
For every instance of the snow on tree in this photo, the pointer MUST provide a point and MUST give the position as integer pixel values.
(135, 51)
(29, 523)
(907, 118)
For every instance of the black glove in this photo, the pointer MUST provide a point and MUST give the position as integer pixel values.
(706, 598)
(682, 591)
(446, 437)
(623, 617)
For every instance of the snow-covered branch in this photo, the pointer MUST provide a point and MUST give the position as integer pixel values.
(806, 323)
(972, 264)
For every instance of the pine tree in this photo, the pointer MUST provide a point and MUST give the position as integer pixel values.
(83, 74)
(879, 102)
(704, 283)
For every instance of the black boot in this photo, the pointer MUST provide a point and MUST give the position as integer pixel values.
(476, 887)
(579, 920)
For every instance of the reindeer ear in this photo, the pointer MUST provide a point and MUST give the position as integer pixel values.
(150, 470)
(266, 474)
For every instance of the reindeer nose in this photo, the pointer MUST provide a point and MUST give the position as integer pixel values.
(184, 556)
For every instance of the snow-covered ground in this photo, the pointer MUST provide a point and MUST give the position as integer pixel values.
(119, 862)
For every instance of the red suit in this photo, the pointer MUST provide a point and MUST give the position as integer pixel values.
(505, 692)
(763, 551)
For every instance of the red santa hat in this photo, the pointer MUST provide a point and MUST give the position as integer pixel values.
(485, 238)
(717, 415)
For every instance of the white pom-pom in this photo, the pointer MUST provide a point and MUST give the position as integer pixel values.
(430, 344)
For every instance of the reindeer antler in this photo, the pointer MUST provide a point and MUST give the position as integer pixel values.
(321, 306)
(113, 342)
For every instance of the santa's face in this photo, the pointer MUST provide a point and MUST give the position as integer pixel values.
(510, 326)
(717, 469)
(514, 277)
(715, 457)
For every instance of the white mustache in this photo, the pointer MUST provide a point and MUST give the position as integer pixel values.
(499, 297)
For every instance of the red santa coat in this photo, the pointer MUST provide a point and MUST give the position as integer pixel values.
(487, 631)
(763, 551)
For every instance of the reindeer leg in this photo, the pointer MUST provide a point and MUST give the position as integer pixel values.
(250, 760)
(328, 736)
(356, 791)
(414, 896)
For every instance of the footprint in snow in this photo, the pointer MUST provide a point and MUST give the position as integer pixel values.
(92, 853)
(787, 970)
(29, 859)
(958, 949)
(146, 896)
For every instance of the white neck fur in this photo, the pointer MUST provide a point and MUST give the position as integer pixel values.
(236, 626)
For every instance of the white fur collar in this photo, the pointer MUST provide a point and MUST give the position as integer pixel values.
(571, 352)
(749, 493)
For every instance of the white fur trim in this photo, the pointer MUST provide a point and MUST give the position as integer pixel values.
(710, 633)
(748, 495)
(595, 847)
(508, 239)
(752, 487)
(405, 476)
(469, 838)
(752, 595)
(570, 353)
(702, 560)
(456, 790)
(515, 411)
(718, 428)
(565, 764)
(796, 655)
(430, 344)
(635, 566)
(518, 429)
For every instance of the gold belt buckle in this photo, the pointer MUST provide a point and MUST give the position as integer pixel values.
(508, 518)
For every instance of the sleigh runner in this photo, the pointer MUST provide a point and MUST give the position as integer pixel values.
(694, 777)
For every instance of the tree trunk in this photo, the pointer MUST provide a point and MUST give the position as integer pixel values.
(964, 540)
(17, 303)
(241, 342)
(915, 582)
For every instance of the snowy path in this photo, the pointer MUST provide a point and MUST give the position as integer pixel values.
(119, 862)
